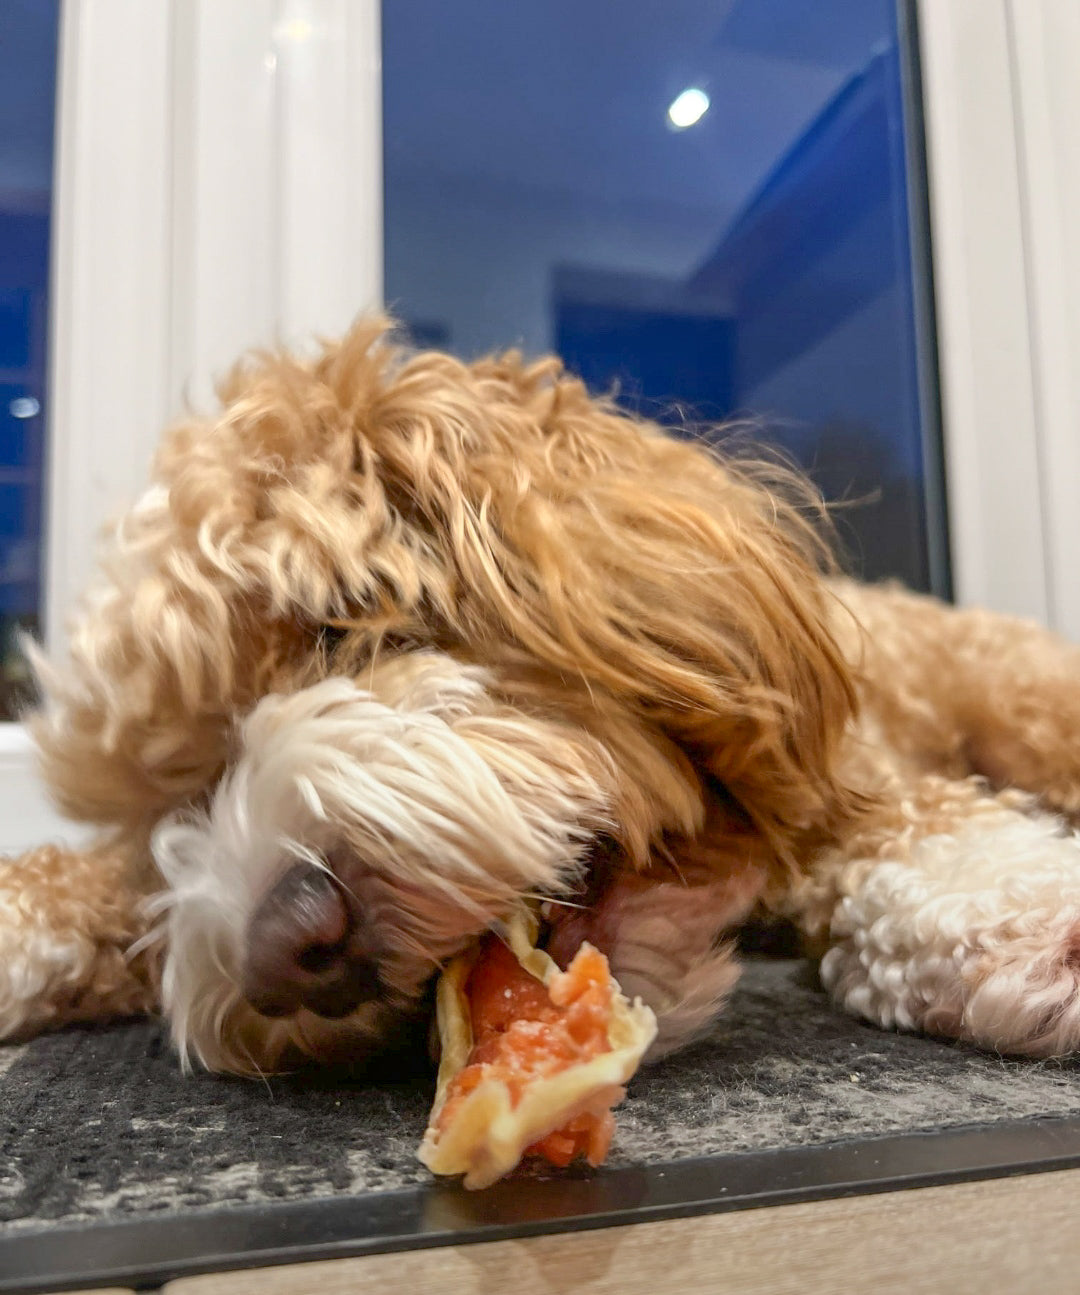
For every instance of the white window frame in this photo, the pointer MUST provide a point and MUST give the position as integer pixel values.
(218, 185)
(1045, 45)
(1004, 178)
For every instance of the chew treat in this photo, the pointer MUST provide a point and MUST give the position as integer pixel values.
(533, 1058)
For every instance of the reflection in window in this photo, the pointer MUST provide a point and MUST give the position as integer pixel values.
(27, 92)
(704, 204)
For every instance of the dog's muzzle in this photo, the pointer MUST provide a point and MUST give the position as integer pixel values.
(307, 948)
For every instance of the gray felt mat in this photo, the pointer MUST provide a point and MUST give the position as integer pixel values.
(100, 1124)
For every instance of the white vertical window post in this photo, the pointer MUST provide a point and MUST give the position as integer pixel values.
(1002, 99)
(993, 474)
(1045, 44)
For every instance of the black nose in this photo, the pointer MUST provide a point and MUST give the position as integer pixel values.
(304, 949)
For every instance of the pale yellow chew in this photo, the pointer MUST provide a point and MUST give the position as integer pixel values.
(488, 1135)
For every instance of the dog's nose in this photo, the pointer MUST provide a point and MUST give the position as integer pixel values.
(303, 949)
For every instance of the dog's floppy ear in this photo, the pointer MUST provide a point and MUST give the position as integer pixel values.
(163, 654)
(686, 586)
(261, 523)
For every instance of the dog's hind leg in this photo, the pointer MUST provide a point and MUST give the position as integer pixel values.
(67, 921)
(1020, 710)
(963, 691)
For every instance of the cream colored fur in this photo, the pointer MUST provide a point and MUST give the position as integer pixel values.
(448, 807)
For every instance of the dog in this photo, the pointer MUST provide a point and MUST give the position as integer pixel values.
(393, 642)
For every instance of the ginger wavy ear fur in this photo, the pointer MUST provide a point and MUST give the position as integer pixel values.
(491, 508)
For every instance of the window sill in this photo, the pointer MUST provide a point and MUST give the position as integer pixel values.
(26, 816)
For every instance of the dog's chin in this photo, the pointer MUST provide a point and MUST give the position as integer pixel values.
(241, 1041)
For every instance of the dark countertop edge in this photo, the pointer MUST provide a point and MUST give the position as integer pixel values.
(150, 1251)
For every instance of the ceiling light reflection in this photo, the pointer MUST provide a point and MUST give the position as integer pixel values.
(24, 407)
(688, 108)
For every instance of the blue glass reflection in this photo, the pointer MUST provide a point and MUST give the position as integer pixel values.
(27, 95)
(754, 261)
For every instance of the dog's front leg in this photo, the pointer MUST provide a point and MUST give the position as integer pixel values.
(67, 921)
(955, 912)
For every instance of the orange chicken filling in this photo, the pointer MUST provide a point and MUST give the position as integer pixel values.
(523, 1031)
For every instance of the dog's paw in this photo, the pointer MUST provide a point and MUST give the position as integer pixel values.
(66, 924)
(976, 937)
(37, 966)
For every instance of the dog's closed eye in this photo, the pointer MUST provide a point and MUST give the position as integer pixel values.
(331, 637)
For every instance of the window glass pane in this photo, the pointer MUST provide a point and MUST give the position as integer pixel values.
(709, 203)
(28, 35)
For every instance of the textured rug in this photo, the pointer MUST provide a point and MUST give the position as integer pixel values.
(100, 1124)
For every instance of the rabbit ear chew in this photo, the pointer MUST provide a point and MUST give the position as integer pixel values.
(487, 1116)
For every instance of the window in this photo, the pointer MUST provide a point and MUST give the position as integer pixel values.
(535, 193)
